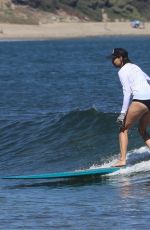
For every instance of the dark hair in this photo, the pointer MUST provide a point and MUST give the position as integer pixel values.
(120, 52)
(126, 60)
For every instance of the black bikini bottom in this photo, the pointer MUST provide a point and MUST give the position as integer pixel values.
(145, 102)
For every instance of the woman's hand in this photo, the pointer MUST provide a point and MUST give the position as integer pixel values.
(120, 119)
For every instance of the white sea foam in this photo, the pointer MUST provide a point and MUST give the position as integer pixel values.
(138, 160)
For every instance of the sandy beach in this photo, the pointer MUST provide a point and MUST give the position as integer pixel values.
(69, 30)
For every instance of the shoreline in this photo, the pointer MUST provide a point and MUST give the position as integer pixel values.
(70, 30)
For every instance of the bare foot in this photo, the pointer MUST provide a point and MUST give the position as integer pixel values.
(120, 163)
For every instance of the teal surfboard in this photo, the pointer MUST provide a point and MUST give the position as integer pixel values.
(69, 174)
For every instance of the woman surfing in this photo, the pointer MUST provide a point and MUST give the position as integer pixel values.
(136, 84)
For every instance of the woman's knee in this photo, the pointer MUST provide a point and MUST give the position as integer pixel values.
(143, 125)
(143, 133)
(124, 129)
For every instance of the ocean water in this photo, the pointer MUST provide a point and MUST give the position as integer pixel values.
(59, 103)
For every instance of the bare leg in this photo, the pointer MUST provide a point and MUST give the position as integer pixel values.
(143, 124)
(135, 112)
(147, 142)
(123, 141)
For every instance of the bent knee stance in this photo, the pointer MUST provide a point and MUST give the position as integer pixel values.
(144, 134)
(123, 129)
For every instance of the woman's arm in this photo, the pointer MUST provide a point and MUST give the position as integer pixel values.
(126, 92)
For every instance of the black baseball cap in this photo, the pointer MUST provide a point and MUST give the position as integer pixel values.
(117, 52)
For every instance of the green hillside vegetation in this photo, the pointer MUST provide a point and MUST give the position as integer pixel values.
(116, 9)
(92, 9)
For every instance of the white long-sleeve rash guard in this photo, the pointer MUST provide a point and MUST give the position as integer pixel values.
(135, 83)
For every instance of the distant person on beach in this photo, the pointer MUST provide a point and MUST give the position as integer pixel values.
(137, 24)
(105, 19)
(136, 84)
